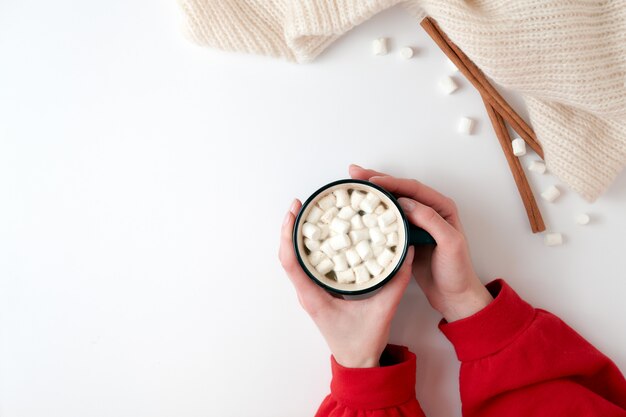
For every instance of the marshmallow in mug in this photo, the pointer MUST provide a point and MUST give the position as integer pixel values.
(364, 238)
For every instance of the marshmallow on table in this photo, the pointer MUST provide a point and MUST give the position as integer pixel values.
(311, 231)
(370, 203)
(550, 194)
(582, 219)
(327, 202)
(466, 126)
(406, 52)
(325, 266)
(519, 147)
(356, 222)
(315, 257)
(537, 166)
(315, 214)
(355, 199)
(345, 277)
(339, 242)
(553, 239)
(340, 226)
(341, 263)
(357, 236)
(329, 214)
(385, 257)
(342, 199)
(353, 257)
(370, 220)
(346, 213)
(373, 267)
(448, 85)
(364, 250)
(379, 46)
(361, 274)
(378, 238)
(311, 244)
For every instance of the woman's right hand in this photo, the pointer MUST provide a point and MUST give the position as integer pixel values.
(444, 272)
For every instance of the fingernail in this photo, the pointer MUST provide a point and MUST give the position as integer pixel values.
(292, 207)
(407, 204)
(356, 166)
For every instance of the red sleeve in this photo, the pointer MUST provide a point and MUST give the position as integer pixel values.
(521, 361)
(388, 390)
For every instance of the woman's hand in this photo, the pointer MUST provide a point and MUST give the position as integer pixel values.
(356, 330)
(445, 272)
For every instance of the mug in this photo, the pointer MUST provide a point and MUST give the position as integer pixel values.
(406, 234)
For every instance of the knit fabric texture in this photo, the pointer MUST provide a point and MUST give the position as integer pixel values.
(566, 58)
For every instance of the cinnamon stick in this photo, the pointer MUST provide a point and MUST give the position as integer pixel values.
(530, 204)
(480, 82)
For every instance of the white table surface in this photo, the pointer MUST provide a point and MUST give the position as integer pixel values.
(143, 181)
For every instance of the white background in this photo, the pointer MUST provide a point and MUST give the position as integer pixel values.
(143, 181)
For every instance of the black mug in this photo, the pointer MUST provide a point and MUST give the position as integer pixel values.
(407, 234)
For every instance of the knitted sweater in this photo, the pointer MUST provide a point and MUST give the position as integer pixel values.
(566, 58)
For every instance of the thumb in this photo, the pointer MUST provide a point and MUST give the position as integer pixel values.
(391, 293)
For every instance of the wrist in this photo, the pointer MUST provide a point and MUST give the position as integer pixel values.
(459, 306)
(367, 362)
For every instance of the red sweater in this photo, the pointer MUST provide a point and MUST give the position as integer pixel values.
(515, 361)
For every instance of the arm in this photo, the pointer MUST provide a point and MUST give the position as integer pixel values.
(521, 361)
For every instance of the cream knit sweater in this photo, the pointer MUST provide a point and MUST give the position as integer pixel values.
(566, 57)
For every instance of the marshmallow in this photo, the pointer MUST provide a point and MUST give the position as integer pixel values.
(364, 250)
(373, 267)
(311, 231)
(519, 147)
(388, 229)
(315, 214)
(342, 198)
(385, 257)
(370, 220)
(327, 249)
(355, 199)
(377, 250)
(553, 239)
(406, 52)
(550, 194)
(388, 217)
(327, 202)
(357, 222)
(466, 126)
(448, 85)
(346, 213)
(379, 210)
(582, 219)
(325, 231)
(370, 203)
(345, 277)
(341, 263)
(311, 244)
(378, 238)
(316, 257)
(329, 214)
(451, 65)
(537, 166)
(339, 226)
(392, 239)
(325, 266)
(361, 274)
(339, 242)
(353, 257)
(359, 235)
(379, 46)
